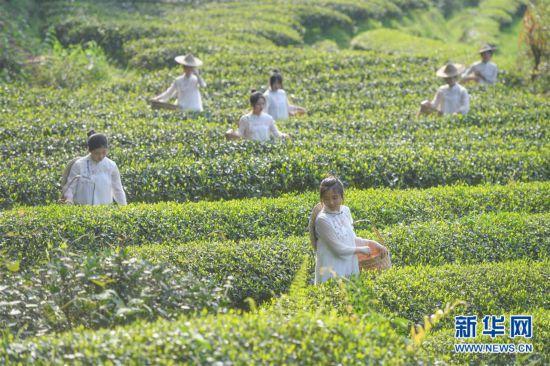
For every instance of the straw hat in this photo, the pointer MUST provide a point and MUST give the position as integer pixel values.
(188, 60)
(450, 70)
(487, 48)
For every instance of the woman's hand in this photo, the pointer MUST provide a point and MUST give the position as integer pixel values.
(382, 249)
(363, 250)
(371, 243)
(231, 134)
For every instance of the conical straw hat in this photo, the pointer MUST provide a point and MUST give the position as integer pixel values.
(487, 48)
(450, 70)
(188, 60)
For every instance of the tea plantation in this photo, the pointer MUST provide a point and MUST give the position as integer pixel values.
(210, 263)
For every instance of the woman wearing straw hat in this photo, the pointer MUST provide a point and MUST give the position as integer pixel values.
(484, 71)
(186, 87)
(452, 98)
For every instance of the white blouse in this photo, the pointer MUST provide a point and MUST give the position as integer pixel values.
(187, 90)
(259, 128)
(336, 246)
(92, 183)
(452, 100)
(276, 104)
(489, 71)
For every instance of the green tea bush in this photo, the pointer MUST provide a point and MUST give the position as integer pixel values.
(323, 19)
(255, 338)
(113, 24)
(363, 10)
(361, 127)
(20, 24)
(350, 299)
(414, 291)
(259, 268)
(233, 176)
(72, 67)
(397, 41)
(27, 231)
(111, 37)
(98, 291)
(492, 237)
(267, 266)
(491, 17)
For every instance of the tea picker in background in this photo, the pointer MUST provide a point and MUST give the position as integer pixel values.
(256, 125)
(484, 71)
(93, 179)
(185, 87)
(277, 105)
(332, 236)
(451, 98)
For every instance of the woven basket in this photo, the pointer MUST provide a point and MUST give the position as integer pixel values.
(374, 261)
(155, 104)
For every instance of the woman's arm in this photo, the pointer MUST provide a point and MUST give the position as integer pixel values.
(275, 131)
(118, 191)
(243, 127)
(267, 102)
(360, 242)
(68, 189)
(464, 102)
(492, 77)
(202, 83)
(437, 101)
(200, 80)
(326, 233)
(168, 94)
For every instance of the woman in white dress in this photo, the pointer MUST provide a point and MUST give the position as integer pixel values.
(277, 105)
(186, 86)
(256, 125)
(451, 98)
(332, 236)
(94, 179)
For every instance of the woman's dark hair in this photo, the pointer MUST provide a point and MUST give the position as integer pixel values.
(255, 97)
(275, 77)
(97, 140)
(330, 182)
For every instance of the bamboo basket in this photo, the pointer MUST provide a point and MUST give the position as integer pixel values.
(376, 260)
(155, 104)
